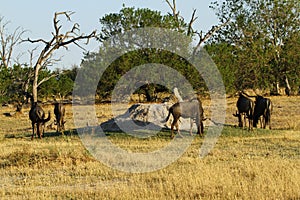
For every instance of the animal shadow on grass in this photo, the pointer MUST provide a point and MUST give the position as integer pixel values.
(71, 132)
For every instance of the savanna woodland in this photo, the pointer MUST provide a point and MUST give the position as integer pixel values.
(255, 47)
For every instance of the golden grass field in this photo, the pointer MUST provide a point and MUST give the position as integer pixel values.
(261, 164)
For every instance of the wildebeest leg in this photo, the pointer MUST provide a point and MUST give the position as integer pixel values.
(269, 121)
(191, 123)
(32, 130)
(62, 126)
(43, 129)
(199, 125)
(38, 128)
(58, 125)
(175, 123)
(261, 121)
(250, 124)
(178, 131)
(245, 121)
(172, 128)
(240, 120)
(177, 127)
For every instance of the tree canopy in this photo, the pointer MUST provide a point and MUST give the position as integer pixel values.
(256, 45)
(258, 37)
(139, 50)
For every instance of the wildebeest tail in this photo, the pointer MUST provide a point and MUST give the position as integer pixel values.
(165, 120)
(48, 118)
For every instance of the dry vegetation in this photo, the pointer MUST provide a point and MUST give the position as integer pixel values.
(262, 164)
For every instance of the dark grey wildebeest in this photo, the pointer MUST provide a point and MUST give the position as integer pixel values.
(263, 107)
(37, 117)
(59, 111)
(192, 109)
(245, 107)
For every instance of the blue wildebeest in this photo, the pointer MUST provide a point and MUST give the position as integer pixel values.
(191, 109)
(245, 108)
(37, 117)
(59, 111)
(263, 107)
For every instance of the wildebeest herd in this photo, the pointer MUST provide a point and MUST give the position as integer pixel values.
(255, 111)
(247, 109)
(259, 110)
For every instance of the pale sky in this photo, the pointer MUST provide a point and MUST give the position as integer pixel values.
(36, 17)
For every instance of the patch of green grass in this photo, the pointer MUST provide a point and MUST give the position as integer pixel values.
(230, 131)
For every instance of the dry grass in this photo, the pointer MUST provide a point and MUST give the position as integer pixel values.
(262, 164)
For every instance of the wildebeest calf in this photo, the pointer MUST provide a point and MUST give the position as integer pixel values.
(192, 109)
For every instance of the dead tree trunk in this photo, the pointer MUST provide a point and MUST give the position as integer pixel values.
(35, 83)
(58, 40)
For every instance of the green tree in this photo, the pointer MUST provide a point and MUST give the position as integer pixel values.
(14, 81)
(224, 57)
(5, 81)
(140, 51)
(130, 18)
(291, 60)
(115, 24)
(258, 31)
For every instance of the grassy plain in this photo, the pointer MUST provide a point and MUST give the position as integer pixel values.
(262, 164)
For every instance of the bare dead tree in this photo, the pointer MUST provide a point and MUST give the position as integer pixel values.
(202, 37)
(8, 42)
(59, 39)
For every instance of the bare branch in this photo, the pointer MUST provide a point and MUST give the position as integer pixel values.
(82, 37)
(190, 26)
(46, 79)
(66, 13)
(35, 41)
(212, 31)
(31, 53)
(173, 7)
(8, 42)
(50, 61)
(175, 13)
